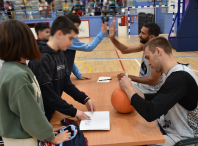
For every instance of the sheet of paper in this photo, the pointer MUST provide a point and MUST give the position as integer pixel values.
(104, 79)
(99, 121)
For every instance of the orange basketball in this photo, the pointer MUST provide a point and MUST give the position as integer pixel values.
(120, 101)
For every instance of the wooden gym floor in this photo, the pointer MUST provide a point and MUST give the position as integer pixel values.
(106, 58)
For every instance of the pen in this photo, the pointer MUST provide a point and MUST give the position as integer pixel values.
(105, 79)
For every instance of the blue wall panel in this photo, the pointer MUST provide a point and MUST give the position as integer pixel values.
(164, 20)
(134, 27)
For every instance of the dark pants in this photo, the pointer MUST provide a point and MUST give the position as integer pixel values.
(70, 56)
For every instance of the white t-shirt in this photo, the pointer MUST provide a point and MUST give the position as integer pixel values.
(1, 62)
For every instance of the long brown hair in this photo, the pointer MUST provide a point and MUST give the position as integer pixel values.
(17, 41)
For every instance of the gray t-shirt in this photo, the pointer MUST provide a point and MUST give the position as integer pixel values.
(145, 71)
(178, 120)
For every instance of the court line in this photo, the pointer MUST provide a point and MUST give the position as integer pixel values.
(131, 58)
(185, 56)
(119, 60)
(194, 52)
(137, 62)
(94, 60)
(109, 58)
(86, 65)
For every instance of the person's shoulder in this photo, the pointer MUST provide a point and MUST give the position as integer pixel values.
(43, 69)
(179, 74)
(16, 72)
(46, 58)
(184, 75)
(46, 61)
(179, 77)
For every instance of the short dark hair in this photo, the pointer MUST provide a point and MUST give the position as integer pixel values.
(160, 42)
(73, 17)
(41, 27)
(17, 41)
(64, 24)
(154, 29)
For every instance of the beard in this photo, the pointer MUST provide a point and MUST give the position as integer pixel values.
(143, 41)
(158, 66)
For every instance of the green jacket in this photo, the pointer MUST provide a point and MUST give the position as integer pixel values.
(21, 105)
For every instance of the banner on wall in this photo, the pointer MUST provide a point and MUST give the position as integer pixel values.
(84, 29)
(174, 2)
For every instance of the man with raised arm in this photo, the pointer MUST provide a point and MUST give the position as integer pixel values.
(148, 81)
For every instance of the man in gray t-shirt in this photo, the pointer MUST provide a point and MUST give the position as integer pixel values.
(176, 100)
(148, 81)
(146, 71)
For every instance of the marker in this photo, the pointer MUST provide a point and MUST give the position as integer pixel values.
(126, 75)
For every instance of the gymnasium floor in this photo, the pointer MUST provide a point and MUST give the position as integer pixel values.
(106, 58)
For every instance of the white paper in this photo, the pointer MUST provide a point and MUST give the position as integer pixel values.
(105, 79)
(99, 121)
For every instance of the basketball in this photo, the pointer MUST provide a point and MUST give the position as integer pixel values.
(120, 101)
